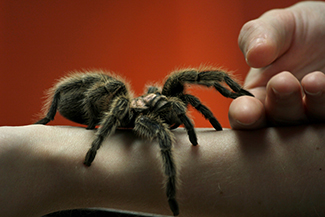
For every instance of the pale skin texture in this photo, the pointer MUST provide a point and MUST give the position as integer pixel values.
(230, 173)
(266, 172)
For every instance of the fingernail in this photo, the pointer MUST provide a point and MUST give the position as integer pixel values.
(255, 43)
(282, 95)
(313, 94)
(249, 123)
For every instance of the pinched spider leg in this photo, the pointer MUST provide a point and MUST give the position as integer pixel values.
(227, 93)
(209, 77)
(180, 109)
(205, 111)
(111, 120)
(205, 78)
(175, 83)
(236, 87)
(52, 110)
(150, 127)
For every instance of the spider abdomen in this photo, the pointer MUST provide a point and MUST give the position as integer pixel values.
(71, 107)
(84, 97)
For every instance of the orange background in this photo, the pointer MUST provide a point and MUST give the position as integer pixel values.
(41, 41)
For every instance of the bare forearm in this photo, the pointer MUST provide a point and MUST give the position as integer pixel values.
(255, 173)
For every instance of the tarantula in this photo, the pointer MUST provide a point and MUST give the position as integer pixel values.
(101, 98)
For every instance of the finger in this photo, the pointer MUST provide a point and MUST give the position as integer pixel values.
(246, 113)
(266, 38)
(314, 88)
(256, 78)
(283, 102)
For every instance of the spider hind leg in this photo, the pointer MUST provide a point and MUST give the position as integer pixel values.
(52, 110)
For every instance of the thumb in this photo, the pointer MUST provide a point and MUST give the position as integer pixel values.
(265, 39)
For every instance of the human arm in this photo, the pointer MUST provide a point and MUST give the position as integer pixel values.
(279, 42)
(255, 173)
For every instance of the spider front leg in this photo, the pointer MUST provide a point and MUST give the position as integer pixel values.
(180, 109)
(195, 102)
(111, 120)
(175, 86)
(150, 127)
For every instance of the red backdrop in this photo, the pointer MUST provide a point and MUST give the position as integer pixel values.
(142, 40)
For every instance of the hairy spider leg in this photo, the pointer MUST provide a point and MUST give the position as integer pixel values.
(52, 110)
(236, 87)
(150, 127)
(174, 86)
(99, 97)
(111, 120)
(180, 109)
(205, 111)
(175, 83)
(61, 88)
(238, 91)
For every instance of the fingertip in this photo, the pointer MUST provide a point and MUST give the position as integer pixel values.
(284, 100)
(246, 113)
(283, 84)
(314, 88)
(313, 83)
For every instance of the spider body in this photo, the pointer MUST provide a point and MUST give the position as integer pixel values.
(99, 98)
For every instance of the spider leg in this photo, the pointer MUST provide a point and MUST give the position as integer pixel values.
(180, 109)
(236, 87)
(150, 127)
(209, 77)
(238, 91)
(215, 76)
(195, 102)
(174, 85)
(99, 98)
(225, 92)
(174, 126)
(63, 87)
(52, 110)
(111, 120)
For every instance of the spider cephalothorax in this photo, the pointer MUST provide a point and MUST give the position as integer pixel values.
(101, 98)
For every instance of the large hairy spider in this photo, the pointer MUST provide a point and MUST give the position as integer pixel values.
(101, 98)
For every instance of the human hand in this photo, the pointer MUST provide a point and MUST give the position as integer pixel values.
(286, 50)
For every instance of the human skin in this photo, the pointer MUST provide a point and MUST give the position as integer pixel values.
(286, 50)
(266, 172)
